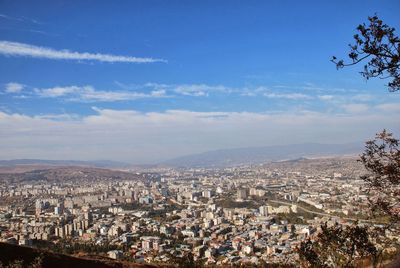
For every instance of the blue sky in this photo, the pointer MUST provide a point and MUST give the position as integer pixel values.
(143, 81)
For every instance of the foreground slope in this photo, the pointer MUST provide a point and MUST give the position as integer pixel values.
(10, 253)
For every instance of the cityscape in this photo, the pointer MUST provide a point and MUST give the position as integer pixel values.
(225, 216)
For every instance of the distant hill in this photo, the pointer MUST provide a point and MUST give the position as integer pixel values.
(10, 253)
(65, 174)
(99, 163)
(258, 155)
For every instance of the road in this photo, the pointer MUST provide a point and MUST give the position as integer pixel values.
(321, 213)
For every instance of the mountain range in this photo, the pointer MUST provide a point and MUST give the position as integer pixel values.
(258, 155)
(98, 163)
(218, 158)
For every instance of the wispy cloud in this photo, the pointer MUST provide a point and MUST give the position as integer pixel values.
(90, 94)
(19, 49)
(28, 31)
(158, 93)
(326, 97)
(278, 92)
(193, 90)
(14, 87)
(31, 20)
(57, 91)
(275, 92)
(277, 99)
(289, 96)
(20, 19)
(199, 89)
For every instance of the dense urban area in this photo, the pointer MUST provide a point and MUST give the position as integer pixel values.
(247, 214)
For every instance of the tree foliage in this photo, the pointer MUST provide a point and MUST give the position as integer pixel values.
(382, 159)
(347, 246)
(338, 246)
(377, 43)
(36, 263)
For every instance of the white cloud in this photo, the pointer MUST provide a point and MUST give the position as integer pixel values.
(199, 90)
(138, 137)
(158, 93)
(90, 94)
(253, 92)
(193, 90)
(20, 19)
(19, 49)
(248, 94)
(290, 96)
(326, 97)
(163, 90)
(57, 91)
(14, 87)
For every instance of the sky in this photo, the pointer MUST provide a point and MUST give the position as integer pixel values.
(146, 81)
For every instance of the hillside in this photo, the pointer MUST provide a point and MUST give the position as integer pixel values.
(258, 155)
(64, 174)
(41, 162)
(10, 253)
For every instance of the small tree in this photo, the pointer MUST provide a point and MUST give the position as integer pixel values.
(37, 262)
(377, 43)
(338, 246)
(382, 159)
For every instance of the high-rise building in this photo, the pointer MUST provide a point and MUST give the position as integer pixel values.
(241, 194)
(263, 210)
